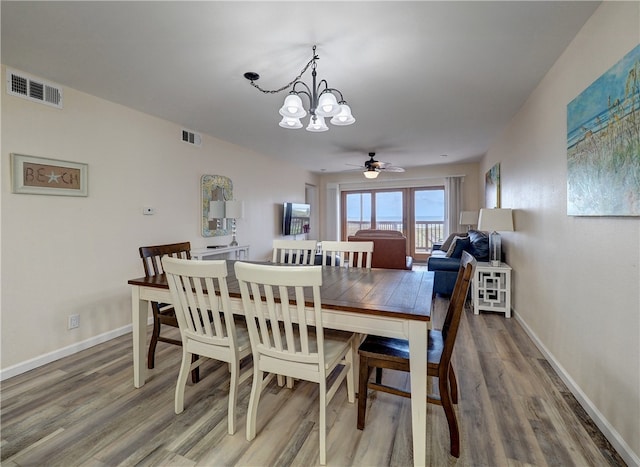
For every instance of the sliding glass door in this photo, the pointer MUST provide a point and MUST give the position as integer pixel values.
(416, 212)
(427, 220)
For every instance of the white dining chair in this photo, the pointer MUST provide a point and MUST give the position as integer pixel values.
(298, 347)
(206, 323)
(351, 254)
(294, 251)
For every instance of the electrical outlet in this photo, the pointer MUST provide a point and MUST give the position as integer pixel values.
(74, 321)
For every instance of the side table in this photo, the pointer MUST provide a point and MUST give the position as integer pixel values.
(240, 252)
(492, 288)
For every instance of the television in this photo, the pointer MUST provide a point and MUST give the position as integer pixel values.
(295, 218)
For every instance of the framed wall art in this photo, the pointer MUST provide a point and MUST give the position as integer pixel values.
(42, 176)
(215, 189)
(492, 187)
(603, 143)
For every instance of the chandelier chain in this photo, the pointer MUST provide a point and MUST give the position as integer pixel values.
(292, 82)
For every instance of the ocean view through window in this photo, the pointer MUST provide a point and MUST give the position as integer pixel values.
(416, 212)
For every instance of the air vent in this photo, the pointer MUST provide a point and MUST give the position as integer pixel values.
(191, 137)
(34, 89)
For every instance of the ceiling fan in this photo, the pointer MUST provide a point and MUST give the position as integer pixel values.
(374, 167)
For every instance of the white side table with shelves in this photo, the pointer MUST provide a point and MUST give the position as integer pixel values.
(492, 288)
(240, 252)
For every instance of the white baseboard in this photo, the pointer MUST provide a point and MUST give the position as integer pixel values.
(41, 360)
(630, 457)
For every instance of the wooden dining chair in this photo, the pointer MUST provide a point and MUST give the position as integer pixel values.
(294, 251)
(382, 352)
(348, 254)
(298, 347)
(163, 313)
(207, 326)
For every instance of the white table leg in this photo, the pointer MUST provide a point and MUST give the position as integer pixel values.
(139, 310)
(418, 367)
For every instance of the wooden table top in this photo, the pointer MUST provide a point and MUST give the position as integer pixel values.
(385, 292)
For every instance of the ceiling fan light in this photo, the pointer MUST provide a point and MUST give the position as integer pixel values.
(317, 124)
(371, 173)
(292, 107)
(290, 123)
(344, 117)
(327, 105)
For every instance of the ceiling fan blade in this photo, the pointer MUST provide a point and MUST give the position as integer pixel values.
(381, 165)
(393, 168)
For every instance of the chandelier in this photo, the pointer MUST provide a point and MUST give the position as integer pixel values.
(322, 101)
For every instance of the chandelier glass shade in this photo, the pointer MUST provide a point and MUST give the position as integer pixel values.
(323, 101)
(317, 125)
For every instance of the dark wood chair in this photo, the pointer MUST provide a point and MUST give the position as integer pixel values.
(164, 313)
(381, 352)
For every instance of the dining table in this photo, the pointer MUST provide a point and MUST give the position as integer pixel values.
(383, 302)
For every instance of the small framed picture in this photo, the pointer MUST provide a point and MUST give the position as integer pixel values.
(41, 176)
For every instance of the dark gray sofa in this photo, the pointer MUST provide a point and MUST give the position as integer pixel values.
(446, 268)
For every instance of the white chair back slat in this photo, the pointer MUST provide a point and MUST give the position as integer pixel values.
(351, 254)
(294, 251)
(214, 304)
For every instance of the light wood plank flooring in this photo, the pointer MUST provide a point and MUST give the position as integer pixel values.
(83, 411)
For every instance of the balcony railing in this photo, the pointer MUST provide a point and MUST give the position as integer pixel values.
(426, 232)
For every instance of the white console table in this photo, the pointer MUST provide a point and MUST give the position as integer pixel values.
(240, 252)
(492, 288)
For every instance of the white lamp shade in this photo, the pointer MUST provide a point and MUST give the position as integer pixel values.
(468, 217)
(317, 125)
(371, 174)
(344, 117)
(290, 123)
(216, 210)
(292, 107)
(234, 209)
(496, 220)
(327, 105)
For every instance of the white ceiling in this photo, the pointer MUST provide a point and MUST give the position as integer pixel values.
(423, 79)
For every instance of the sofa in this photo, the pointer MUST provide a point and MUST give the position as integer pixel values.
(445, 259)
(389, 248)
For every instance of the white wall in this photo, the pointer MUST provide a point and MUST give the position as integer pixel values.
(576, 279)
(68, 255)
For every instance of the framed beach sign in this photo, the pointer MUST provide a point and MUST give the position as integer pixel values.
(603, 143)
(42, 176)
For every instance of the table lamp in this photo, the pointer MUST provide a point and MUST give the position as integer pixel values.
(468, 218)
(234, 210)
(495, 220)
(216, 212)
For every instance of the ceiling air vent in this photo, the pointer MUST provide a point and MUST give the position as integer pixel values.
(191, 137)
(34, 89)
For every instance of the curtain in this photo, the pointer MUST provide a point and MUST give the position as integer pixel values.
(452, 205)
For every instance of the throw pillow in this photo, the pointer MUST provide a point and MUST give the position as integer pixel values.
(462, 244)
(447, 243)
(479, 247)
(452, 247)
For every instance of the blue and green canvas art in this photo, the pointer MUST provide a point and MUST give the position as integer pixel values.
(603, 144)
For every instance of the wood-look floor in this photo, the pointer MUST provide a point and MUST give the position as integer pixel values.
(84, 411)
